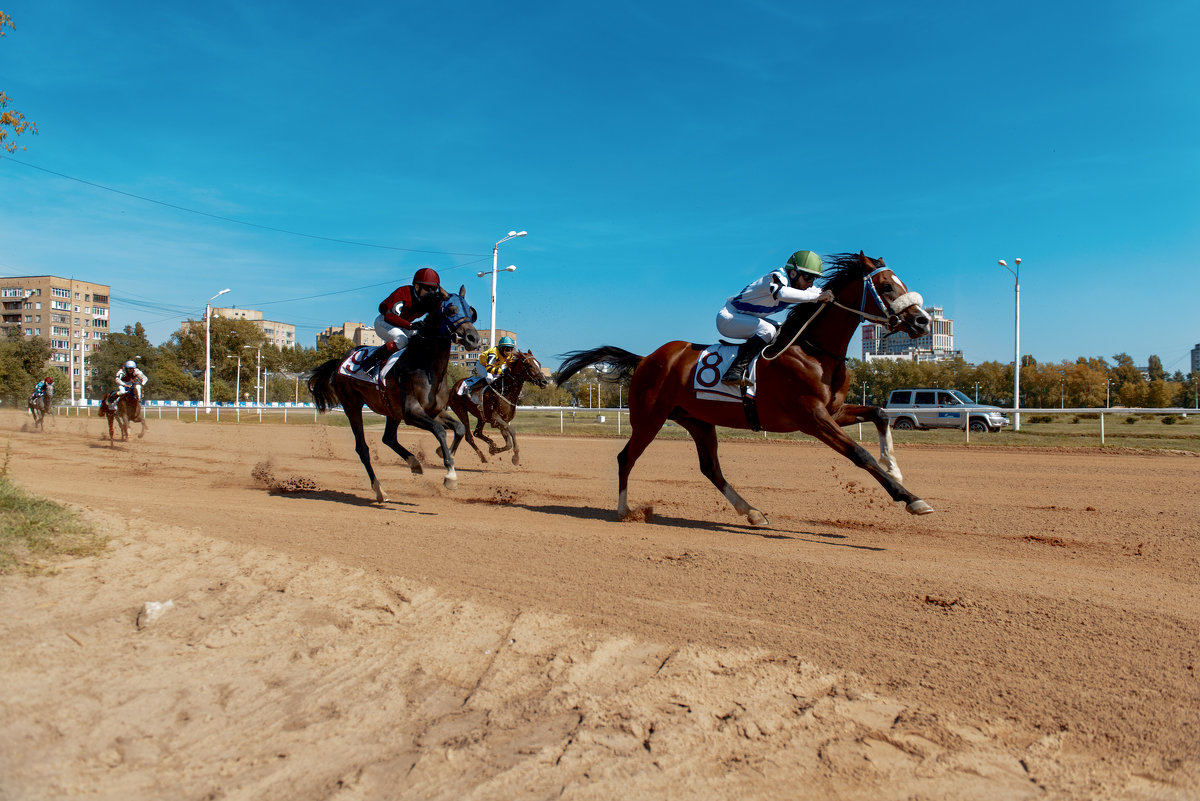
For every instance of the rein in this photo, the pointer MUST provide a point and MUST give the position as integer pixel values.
(905, 300)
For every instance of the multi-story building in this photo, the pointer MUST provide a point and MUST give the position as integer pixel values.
(358, 333)
(73, 315)
(281, 335)
(937, 345)
(1196, 359)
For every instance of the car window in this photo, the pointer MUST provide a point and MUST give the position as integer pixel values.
(947, 399)
(924, 397)
(961, 397)
(901, 397)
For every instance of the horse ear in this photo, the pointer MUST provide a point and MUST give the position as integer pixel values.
(462, 291)
(474, 315)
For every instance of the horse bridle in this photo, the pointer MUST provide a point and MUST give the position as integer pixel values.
(452, 325)
(892, 310)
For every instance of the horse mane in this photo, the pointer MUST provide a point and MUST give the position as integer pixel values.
(841, 269)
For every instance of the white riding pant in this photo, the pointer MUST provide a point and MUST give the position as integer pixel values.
(392, 333)
(739, 325)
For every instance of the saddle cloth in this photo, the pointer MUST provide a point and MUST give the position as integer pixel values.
(712, 364)
(351, 366)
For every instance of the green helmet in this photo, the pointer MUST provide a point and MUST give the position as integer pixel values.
(806, 262)
(506, 341)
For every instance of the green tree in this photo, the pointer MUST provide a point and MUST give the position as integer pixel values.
(22, 364)
(333, 348)
(170, 382)
(1155, 369)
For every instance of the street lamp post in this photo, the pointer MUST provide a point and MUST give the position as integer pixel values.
(1107, 387)
(257, 366)
(208, 350)
(977, 392)
(508, 269)
(237, 385)
(1016, 271)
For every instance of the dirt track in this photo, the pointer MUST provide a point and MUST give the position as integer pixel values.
(1037, 637)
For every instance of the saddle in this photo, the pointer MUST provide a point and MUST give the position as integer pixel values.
(352, 365)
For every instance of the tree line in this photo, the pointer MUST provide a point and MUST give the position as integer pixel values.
(1091, 382)
(176, 372)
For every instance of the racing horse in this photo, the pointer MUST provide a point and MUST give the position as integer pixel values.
(40, 405)
(499, 404)
(129, 410)
(801, 382)
(416, 389)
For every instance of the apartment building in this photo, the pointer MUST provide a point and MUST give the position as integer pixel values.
(282, 335)
(73, 315)
(358, 333)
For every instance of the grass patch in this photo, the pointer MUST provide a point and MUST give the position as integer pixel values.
(34, 529)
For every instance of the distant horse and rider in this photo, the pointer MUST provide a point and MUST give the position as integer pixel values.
(41, 401)
(798, 383)
(414, 387)
(124, 404)
(498, 403)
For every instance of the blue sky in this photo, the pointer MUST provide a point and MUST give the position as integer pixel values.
(661, 155)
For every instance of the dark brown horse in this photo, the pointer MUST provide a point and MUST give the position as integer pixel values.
(801, 382)
(40, 405)
(499, 404)
(416, 388)
(129, 410)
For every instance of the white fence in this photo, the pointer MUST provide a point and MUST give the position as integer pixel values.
(1102, 412)
(605, 415)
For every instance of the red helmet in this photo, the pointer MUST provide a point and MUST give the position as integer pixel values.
(427, 276)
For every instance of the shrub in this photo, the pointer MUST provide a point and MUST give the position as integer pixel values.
(1131, 419)
(1041, 418)
(1169, 419)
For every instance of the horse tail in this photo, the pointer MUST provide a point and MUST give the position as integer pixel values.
(622, 361)
(320, 384)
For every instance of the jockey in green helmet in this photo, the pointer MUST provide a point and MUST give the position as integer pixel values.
(744, 315)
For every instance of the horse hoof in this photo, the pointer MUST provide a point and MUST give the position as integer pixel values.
(440, 455)
(516, 459)
(757, 518)
(414, 464)
(919, 507)
(450, 483)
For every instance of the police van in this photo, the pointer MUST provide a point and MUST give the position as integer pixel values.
(909, 409)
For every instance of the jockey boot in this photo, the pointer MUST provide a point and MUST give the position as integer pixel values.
(372, 359)
(736, 374)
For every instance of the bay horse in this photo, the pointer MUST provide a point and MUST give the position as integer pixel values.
(40, 405)
(129, 410)
(416, 388)
(802, 380)
(499, 404)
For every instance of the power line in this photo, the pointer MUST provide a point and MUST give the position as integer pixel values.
(237, 222)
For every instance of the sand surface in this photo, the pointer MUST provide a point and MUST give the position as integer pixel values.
(1037, 637)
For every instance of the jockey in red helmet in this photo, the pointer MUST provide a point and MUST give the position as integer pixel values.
(401, 309)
